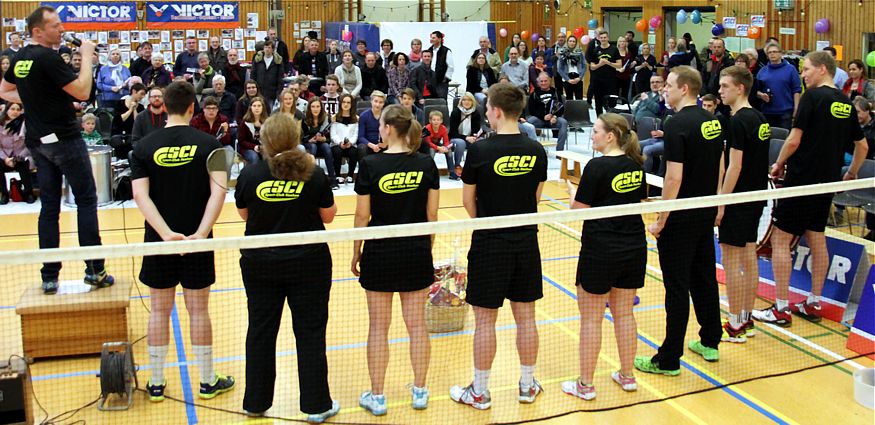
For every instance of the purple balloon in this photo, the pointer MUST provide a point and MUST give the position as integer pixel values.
(535, 37)
(717, 29)
(821, 26)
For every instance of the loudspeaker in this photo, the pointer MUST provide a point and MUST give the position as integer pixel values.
(15, 390)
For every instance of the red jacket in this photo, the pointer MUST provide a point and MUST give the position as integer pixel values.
(246, 141)
(200, 122)
(441, 138)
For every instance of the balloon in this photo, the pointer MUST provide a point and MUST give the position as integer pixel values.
(568, 33)
(717, 29)
(586, 40)
(821, 26)
(682, 16)
(524, 35)
(696, 17)
(593, 24)
(347, 36)
(870, 58)
(641, 25)
(654, 22)
(578, 32)
(535, 37)
(754, 33)
(502, 32)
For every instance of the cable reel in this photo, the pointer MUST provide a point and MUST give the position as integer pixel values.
(117, 376)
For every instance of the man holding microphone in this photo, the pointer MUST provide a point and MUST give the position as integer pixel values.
(47, 87)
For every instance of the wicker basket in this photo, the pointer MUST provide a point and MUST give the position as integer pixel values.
(441, 319)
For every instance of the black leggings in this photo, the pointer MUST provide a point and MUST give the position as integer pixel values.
(352, 153)
(600, 89)
(573, 91)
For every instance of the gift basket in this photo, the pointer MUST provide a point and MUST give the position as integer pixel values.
(446, 309)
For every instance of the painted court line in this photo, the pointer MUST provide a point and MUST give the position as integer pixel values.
(185, 381)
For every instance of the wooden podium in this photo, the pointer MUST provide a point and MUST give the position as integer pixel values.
(73, 324)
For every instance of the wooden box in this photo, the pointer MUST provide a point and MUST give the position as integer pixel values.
(73, 324)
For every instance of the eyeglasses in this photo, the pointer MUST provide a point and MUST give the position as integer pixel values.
(156, 96)
(211, 108)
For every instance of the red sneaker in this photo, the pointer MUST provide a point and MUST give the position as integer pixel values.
(774, 316)
(808, 311)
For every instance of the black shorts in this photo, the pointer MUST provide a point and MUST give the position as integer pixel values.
(597, 273)
(397, 264)
(192, 271)
(740, 224)
(798, 215)
(500, 269)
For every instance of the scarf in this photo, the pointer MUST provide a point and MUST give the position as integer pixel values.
(115, 73)
(415, 57)
(14, 126)
(465, 124)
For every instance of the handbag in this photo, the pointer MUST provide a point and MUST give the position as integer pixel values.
(16, 190)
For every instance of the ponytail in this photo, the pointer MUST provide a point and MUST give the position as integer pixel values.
(403, 121)
(280, 137)
(414, 136)
(626, 139)
(630, 146)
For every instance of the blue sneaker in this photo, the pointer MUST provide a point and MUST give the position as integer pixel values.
(221, 384)
(376, 404)
(156, 392)
(420, 397)
(318, 418)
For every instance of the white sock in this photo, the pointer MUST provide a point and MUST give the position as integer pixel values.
(157, 358)
(204, 356)
(813, 298)
(481, 380)
(745, 316)
(781, 304)
(735, 321)
(527, 375)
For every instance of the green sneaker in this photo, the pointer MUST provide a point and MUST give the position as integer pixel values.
(710, 354)
(645, 364)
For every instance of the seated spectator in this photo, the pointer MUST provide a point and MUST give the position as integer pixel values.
(344, 135)
(14, 156)
(249, 130)
(89, 132)
(287, 104)
(545, 108)
(203, 78)
(331, 98)
(466, 127)
(369, 127)
(436, 139)
(153, 118)
(112, 80)
(479, 77)
(422, 79)
(210, 121)
(538, 66)
(301, 98)
(251, 91)
(361, 51)
(857, 83)
(235, 74)
(227, 102)
(315, 136)
(408, 100)
(156, 75)
(304, 92)
(373, 77)
(314, 63)
(651, 104)
(386, 56)
(493, 60)
(398, 76)
(349, 75)
(517, 72)
(710, 103)
(333, 55)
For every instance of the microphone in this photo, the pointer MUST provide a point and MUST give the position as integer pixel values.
(70, 38)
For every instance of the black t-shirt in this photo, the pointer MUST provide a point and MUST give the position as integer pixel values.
(750, 133)
(281, 206)
(398, 184)
(507, 169)
(40, 76)
(606, 72)
(174, 159)
(694, 138)
(612, 180)
(828, 121)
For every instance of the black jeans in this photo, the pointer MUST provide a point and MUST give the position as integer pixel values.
(600, 89)
(338, 153)
(305, 284)
(574, 91)
(686, 257)
(66, 158)
(23, 169)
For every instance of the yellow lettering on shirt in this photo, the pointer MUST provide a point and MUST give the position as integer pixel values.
(514, 165)
(711, 129)
(22, 68)
(400, 182)
(174, 156)
(628, 181)
(840, 110)
(765, 132)
(279, 190)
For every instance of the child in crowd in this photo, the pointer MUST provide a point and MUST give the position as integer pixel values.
(90, 134)
(436, 139)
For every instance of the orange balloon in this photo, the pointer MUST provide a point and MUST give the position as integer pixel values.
(641, 25)
(568, 33)
(754, 32)
(524, 35)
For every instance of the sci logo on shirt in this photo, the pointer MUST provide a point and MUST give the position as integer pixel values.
(22, 68)
(837, 109)
(765, 132)
(395, 183)
(514, 165)
(711, 129)
(627, 182)
(174, 156)
(279, 190)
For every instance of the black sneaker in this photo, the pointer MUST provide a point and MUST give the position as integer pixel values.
(220, 385)
(50, 287)
(4, 198)
(100, 280)
(156, 392)
(334, 185)
(29, 199)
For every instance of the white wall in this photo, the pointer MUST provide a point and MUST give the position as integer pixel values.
(407, 11)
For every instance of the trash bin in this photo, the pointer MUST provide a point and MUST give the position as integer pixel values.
(101, 167)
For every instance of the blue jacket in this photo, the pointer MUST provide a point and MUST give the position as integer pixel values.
(105, 83)
(369, 128)
(782, 80)
(566, 55)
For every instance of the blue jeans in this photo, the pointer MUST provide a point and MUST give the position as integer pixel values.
(323, 150)
(451, 166)
(459, 147)
(561, 124)
(251, 156)
(528, 130)
(66, 158)
(651, 148)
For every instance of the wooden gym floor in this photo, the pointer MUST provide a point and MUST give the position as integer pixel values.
(822, 395)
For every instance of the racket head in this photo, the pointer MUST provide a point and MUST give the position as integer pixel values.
(223, 165)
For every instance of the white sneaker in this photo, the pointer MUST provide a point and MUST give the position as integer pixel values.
(419, 397)
(575, 388)
(467, 396)
(528, 394)
(318, 418)
(376, 404)
(627, 383)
